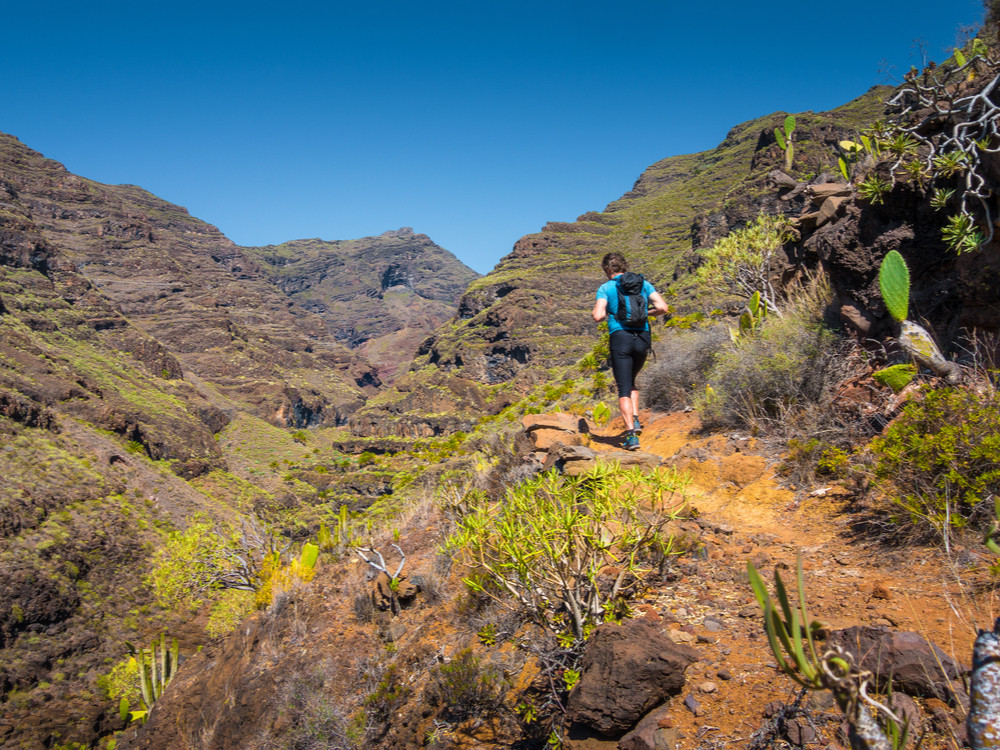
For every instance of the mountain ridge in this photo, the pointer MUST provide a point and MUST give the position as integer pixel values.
(398, 288)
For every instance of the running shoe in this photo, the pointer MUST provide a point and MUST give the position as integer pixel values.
(636, 427)
(631, 442)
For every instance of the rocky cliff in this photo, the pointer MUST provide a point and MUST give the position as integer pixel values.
(143, 358)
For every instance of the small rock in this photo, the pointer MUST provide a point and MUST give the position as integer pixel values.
(724, 674)
(905, 707)
(799, 732)
(881, 591)
(712, 624)
(691, 704)
(821, 700)
(681, 636)
(708, 686)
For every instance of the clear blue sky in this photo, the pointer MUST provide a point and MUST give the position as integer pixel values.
(474, 123)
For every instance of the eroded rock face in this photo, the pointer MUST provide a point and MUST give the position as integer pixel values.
(169, 289)
(627, 670)
(380, 295)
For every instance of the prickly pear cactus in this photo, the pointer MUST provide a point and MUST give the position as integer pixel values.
(789, 126)
(896, 377)
(894, 282)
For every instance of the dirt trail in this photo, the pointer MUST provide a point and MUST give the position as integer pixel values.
(744, 514)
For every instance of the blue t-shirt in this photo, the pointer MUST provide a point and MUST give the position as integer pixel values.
(609, 291)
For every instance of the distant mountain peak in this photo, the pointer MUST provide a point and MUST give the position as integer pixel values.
(401, 232)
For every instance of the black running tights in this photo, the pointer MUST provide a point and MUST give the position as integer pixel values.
(628, 355)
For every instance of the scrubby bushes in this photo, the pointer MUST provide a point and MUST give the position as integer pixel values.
(468, 687)
(791, 361)
(680, 369)
(938, 464)
(753, 378)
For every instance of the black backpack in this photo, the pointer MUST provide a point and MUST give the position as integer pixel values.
(633, 306)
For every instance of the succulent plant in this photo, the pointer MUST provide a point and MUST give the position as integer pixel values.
(752, 317)
(784, 138)
(894, 282)
(896, 377)
(157, 667)
(310, 553)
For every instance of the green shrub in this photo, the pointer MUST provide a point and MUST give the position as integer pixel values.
(202, 559)
(743, 261)
(185, 565)
(548, 544)
(388, 695)
(938, 464)
(807, 458)
(134, 446)
(467, 687)
(233, 606)
(122, 682)
(684, 322)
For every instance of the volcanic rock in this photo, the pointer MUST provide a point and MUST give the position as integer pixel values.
(626, 670)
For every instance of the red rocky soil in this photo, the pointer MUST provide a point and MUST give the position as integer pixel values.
(743, 513)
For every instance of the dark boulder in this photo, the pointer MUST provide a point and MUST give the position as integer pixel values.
(915, 665)
(626, 671)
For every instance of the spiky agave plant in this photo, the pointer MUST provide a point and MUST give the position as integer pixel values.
(793, 640)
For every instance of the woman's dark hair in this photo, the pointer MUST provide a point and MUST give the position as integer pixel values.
(614, 263)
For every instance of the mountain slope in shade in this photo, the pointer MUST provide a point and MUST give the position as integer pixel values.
(378, 295)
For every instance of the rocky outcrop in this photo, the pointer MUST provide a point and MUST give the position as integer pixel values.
(561, 442)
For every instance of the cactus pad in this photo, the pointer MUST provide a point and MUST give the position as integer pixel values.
(894, 282)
